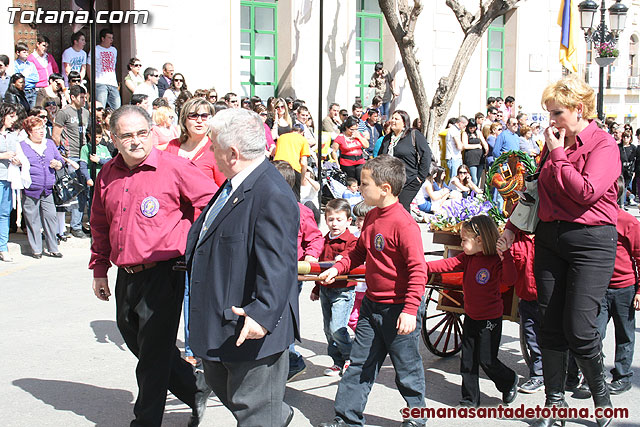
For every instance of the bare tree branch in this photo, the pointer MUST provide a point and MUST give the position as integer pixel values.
(465, 18)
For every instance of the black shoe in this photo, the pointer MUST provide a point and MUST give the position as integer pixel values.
(78, 234)
(36, 256)
(337, 422)
(54, 254)
(289, 417)
(296, 370)
(203, 393)
(86, 230)
(61, 238)
(510, 395)
(619, 386)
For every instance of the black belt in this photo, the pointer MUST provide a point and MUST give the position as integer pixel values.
(347, 157)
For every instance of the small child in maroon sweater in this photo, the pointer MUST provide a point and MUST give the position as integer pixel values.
(336, 298)
(482, 327)
(393, 306)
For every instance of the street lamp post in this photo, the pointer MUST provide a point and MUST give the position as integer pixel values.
(601, 34)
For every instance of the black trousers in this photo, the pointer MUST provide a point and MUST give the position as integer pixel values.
(148, 306)
(573, 268)
(352, 171)
(480, 344)
(408, 193)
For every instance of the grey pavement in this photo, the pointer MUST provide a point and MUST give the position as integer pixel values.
(64, 362)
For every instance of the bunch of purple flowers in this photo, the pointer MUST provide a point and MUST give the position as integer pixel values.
(455, 212)
(607, 50)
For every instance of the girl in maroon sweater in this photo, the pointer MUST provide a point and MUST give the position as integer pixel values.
(484, 271)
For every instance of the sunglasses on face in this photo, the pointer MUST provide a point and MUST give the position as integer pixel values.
(99, 108)
(178, 80)
(137, 65)
(43, 117)
(75, 80)
(155, 75)
(194, 116)
(50, 104)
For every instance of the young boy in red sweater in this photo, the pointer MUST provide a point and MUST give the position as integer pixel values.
(392, 309)
(337, 298)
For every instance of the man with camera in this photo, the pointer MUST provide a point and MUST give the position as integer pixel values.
(56, 89)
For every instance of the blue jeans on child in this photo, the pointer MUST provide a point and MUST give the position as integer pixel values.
(185, 305)
(337, 304)
(376, 336)
(5, 213)
(530, 321)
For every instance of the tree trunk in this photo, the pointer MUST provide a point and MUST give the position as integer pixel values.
(401, 20)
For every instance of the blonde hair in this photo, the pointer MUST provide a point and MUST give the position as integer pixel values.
(494, 127)
(485, 227)
(162, 115)
(191, 106)
(569, 92)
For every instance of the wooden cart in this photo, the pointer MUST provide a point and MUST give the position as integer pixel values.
(442, 323)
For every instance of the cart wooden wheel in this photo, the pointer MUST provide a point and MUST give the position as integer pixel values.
(441, 330)
(523, 346)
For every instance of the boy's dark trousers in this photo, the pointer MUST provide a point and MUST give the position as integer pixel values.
(376, 336)
(480, 342)
(530, 321)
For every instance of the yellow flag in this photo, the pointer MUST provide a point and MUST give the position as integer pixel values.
(568, 21)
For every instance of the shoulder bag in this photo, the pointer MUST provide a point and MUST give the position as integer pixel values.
(67, 186)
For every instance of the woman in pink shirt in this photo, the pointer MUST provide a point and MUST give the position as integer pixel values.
(575, 243)
(194, 143)
(163, 129)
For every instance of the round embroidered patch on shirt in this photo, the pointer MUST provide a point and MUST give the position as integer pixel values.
(150, 206)
(378, 242)
(483, 276)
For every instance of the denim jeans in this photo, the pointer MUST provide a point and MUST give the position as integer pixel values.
(336, 308)
(530, 321)
(185, 309)
(107, 94)
(77, 210)
(376, 336)
(384, 109)
(618, 304)
(476, 173)
(453, 165)
(5, 213)
(30, 94)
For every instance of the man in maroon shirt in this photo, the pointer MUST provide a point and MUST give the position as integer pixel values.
(143, 207)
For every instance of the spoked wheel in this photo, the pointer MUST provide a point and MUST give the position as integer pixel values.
(441, 330)
(523, 346)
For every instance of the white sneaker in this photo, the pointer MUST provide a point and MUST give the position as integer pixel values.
(333, 371)
(6, 257)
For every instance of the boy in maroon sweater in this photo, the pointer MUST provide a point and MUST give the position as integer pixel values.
(337, 298)
(392, 309)
(622, 299)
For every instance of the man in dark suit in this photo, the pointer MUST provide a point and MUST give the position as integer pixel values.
(242, 254)
(164, 82)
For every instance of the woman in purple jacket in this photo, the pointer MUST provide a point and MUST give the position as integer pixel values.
(43, 159)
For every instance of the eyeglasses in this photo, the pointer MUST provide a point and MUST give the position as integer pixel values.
(75, 80)
(178, 80)
(213, 96)
(99, 108)
(194, 116)
(155, 75)
(137, 65)
(50, 104)
(43, 117)
(38, 129)
(129, 137)
(279, 107)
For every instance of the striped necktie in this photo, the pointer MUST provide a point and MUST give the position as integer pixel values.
(215, 209)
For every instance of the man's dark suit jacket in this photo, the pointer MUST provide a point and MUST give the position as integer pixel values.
(162, 85)
(248, 259)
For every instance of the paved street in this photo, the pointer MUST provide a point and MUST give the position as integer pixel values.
(64, 362)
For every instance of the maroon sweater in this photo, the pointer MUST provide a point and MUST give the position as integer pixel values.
(627, 251)
(481, 281)
(391, 244)
(334, 247)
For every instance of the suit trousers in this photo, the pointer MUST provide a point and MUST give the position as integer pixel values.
(573, 268)
(252, 390)
(40, 213)
(148, 307)
(480, 345)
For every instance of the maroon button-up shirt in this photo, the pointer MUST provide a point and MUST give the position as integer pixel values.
(579, 184)
(143, 215)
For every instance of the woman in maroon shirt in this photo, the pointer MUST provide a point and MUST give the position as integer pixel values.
(350, 144)
(575, 242)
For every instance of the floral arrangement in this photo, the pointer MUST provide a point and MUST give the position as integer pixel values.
(455, 213)
(607, 50)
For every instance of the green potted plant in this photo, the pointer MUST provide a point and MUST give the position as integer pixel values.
(607, 54)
